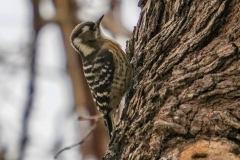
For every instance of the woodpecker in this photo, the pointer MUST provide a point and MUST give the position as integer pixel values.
(106, 67)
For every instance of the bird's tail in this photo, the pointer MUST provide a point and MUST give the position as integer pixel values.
(109, 122)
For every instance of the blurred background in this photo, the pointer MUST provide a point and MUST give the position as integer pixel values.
(42, 88)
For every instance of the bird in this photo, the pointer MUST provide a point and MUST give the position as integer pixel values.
(106, 67)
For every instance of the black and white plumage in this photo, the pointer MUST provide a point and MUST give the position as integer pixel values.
(106, 67)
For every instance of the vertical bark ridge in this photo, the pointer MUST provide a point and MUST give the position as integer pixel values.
(187, 74)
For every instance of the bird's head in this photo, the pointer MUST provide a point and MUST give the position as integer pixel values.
(85, 33)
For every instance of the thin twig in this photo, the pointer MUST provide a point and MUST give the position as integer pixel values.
(81, 118)
(96, 120)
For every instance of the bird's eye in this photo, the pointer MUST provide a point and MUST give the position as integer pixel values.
(91, 28)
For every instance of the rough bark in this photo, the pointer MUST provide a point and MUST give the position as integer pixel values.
(185, 101)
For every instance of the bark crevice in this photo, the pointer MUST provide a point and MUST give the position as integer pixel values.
(187, 81)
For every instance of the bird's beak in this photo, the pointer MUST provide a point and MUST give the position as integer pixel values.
(97, 24)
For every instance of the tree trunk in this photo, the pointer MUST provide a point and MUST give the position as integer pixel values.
(185, 101)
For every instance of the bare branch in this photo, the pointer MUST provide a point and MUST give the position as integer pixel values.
(96, 117)
(96, 120)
